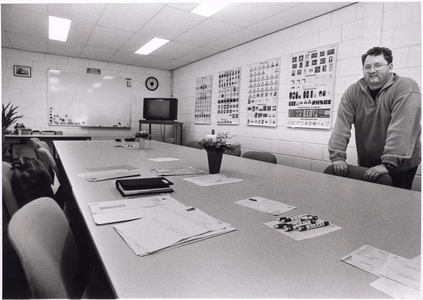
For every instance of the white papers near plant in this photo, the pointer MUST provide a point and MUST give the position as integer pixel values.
(177, 171)
(214, 179)
(170, 229)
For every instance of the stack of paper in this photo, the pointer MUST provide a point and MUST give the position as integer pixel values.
(170, 229)
(130, 209)
(109, 174)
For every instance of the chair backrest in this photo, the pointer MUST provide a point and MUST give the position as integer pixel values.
(357, 172)
(261, 155)
(34, 142)
(43, 240)
(48, 160)
(9, 198)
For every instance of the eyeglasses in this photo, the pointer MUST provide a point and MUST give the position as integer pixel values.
(377, 67)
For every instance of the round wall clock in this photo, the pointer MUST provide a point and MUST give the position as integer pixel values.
(152, 83)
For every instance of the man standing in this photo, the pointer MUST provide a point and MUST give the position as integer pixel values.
(385, 110)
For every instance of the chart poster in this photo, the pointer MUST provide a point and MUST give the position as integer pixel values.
(263, 89)
(228, 100)
(312, 83)
(203, 98)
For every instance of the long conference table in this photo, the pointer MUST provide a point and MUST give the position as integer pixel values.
(255, 261)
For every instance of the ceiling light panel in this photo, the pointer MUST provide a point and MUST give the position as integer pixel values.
(58, 28)
(207, 9)
(151, 46)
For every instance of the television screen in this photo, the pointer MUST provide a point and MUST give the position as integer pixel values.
(160, 109)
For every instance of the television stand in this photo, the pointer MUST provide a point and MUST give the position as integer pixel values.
(177, 125)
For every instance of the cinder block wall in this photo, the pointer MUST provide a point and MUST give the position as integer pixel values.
(355, 29)
(31, 94)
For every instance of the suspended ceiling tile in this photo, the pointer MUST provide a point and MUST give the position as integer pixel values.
(37, 8)
(29, 43)
(170, 23)
(125, 57)
(174, 50)
(80, 32)
(206, 32)
(97, 53)
(108, 38)
(135, 42)
(245, 14)
(198, 54)
(128, 17)
(66, 49)
(235, 39)
(24, 22)
(88, 13)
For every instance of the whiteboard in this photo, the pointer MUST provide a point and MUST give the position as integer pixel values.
(91, 100)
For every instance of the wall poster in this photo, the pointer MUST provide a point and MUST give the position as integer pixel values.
(262, 108)
(312, 83)
(228, 100)
(203, 98)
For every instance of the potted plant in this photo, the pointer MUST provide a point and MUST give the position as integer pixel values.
(141, 136)
(216, 145)
(9, 116)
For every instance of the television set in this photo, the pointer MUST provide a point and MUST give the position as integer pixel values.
(165, 109)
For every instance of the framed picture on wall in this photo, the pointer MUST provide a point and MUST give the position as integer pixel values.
(22, 71)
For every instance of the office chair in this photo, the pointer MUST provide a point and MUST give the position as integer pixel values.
(9, 198)
(47, 158)
(357, 172)
(45, 244)
(262, 156)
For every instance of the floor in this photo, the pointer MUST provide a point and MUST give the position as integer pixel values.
(14, 281)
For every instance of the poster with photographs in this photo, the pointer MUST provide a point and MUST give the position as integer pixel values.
(203, 98)
(228, 101)
(262, 108)
(311, 92)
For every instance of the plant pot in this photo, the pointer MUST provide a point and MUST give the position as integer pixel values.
(214, 158)
(141, 143)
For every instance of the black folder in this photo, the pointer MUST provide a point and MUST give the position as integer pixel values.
(142, 186)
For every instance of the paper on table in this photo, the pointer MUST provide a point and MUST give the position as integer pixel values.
(130, 209)
(163, 159)
(367, 258)
(307, 234)
(109, 174)
(169, 229)
(177, 171)
(214, 179)
(396, 289)
(402, 270)
(265, 205)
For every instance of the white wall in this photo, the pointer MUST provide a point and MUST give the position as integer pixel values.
(30, 94)
(356, 29)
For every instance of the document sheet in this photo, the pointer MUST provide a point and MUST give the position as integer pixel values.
(399, 276)
(130, 209)
(177, 171)
(214, 179)
(265, 205)
(109, 174)
(170, 229)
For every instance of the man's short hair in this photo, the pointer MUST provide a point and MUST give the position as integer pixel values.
(376, 51)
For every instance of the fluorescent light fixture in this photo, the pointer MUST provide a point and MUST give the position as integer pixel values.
(207, 9)
(151, 46)
(58, 28)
